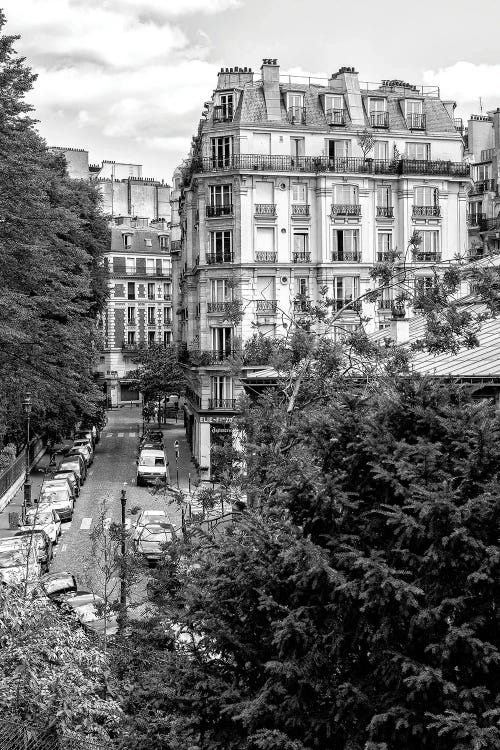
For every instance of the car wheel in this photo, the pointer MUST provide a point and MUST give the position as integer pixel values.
(50, 554)
(139, 482)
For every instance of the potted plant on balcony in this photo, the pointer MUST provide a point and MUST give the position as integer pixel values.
(366, 142)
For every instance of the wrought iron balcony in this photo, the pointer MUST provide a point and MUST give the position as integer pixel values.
(422, 256)
(484, 186)
(175, 246)
(223, 114)
(265, 209)
(379, 119)
(219, 307)
(301, 305)
(296, 115)
(335, 116)
(219, 257)
(385, 303)
(384, 255)
(386, 212)
(426, 211)
(416, 121)
(267, 305)
(300, 209)
(223, 210)
(221, 403)
(346, 256)
(350, 305)
(301, 257)
(346, 209)
(207, 357)
(266, 256)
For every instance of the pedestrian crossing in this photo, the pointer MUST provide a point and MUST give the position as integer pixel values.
(121, 434)
(86, 523)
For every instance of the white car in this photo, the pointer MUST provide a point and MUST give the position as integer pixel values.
(83, 451)
(150, 516)
(14, 564)
(90, 610)
(60, 499)
(152, 538)
(83, 442)
(152, 467)
(51, 484)
(43, 518)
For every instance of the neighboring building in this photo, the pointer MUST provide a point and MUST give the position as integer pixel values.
(139, 310)
(278, 203)
(483, 149)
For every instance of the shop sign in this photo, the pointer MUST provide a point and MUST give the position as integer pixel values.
(217, 420)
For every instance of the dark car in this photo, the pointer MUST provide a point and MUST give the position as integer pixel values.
(74, 463)
(56, 585)
(72, 478)
(152, 436)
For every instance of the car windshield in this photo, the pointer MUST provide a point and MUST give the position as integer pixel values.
(12, 558)
(39, 519)
(156, 533)
(63, 583)
(54, 495)
(64, 475)
(73, 465)
(151, 461)
(80, 441)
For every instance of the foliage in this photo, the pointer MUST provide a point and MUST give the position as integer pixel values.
(159, 374)
(366, 141)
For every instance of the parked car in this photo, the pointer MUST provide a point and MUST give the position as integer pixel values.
(16, 562)
(83, 451)
(57, 484)
(151, 436)
(43, 518)
(91, 612)
(152, 538)
(152, 466)
(41, 542)
(85, 434)
(55, 585)
(72, 478)
(75, 463)
(79, 442)
(146, 517)
(60, 499)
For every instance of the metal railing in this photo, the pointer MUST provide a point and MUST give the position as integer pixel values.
(385, 303)
(266, 256)
(416, 121)
(221, 403)
(296, 115)
(202, 357)
(315, 164)
(219, 307)
(354, 305)
(487, 154)
(379, 119)
(223, 114)
(387, 212)
(301, 257)
(346, 256)
(383, 255)
(223, 210)
(300, 209)
(300, 305)
(265, 209)
(335, 116)
(427, 257)
(346, 209)
(219, 257)
(426, 211)
(484, 186)
(266, 305)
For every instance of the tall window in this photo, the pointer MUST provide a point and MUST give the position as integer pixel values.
(151, 316)
(226, 103)
(167, 316)
(381, 150)
(346, 244)
(222, 339)
(299, 193)
(222, 151)
(151, 291)
(221, 389)
(167, 290)
(302, 286)
(130, 265)
(377, 109)
(221, 247)
(337, 149)
(130, 290)
(300, 247)
(426, 196)
(127, 241)
(413, 107)
(334, 102)
(295, 107)
(167, 338)
(423, 285)
(297, 147)
(482, 172)
(221, 195)
(151, 337)
(131, 338)
(384, 245)
(345, 195)
(428, 250)
(164, 241)
(384, 196)
(150, 266)
(345, 289)
(220, 290)
(131, 316)
(418, 150)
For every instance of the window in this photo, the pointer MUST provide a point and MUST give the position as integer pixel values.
(150, 266)
(423, 285)
(334, 102)
(297, 147)
(346, 245)
(482, 172)
(221, 389)
(334, 109)
(377, 110)
(418, 150)
(130, 290)
(345, 195)
(264, 192)
(220, 290)
(151, 316)
(384, 196)
(221, 195)
(220, 247)
(127, 240)
(167, 338)
(381, 150)
(299, 193)
(222, 151)
(302, 285)
(428, 250)
(148, 242)
(337, 149)
(131, 338)
(345, 289)
(131, 316)
(265, 239)
(167, 291)
(224, 110)
(413, 107)
(384, 245)
(341, 332)
(222, 339)
(167, 316)
(295, 107)
(301, 247)
(151, 337)
(151, 291)
(164, 241)
(426, 196)
(130, 265)
(166, 267)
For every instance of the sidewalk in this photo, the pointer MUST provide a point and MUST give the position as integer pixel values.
(37, 475)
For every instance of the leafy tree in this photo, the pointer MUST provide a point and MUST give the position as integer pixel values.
(159, 374)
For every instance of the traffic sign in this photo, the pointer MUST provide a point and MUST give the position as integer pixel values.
(176, 444)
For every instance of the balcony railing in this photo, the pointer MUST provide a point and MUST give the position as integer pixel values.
(267, 305)
(386, 212)
(384, 255)
(300, 305)
(296, 115)
(487, 154)
(301, 257)
(224, 210)
(346, 209)
(385, 303)
(204, 357)
(379, 119)
(221, 403)
(484, 186)
(490, 224)
(222, 257)
(476, 220)
(353, 305)
(300, 209)
(219, 307)
(265, 209)
(315, 164)
(175, 246)
(426, 210)
(335, 116)
(423, 256)
(416, 121)
(223, 114)
(346, 256)
(266, 256)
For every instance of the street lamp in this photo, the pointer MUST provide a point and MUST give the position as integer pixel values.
(123, 584)
(27, 481)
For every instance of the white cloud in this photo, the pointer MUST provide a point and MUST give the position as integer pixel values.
(465, 81)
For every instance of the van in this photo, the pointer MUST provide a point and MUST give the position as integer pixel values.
(152, 466)
(74, 463)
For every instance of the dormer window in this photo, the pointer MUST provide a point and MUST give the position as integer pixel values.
(377, 109)
(295, 108)
(415, 119)
(127, 241)
(334, 110)
(223, 110)
(163, 241)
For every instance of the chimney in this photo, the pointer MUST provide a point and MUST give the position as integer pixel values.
(400, 330)
(270, 71)
(230, 78)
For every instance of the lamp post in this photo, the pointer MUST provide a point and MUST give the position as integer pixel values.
(176, 447)
(123, 583)
(27, 480)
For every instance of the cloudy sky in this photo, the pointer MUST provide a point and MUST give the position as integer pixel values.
(126, 79)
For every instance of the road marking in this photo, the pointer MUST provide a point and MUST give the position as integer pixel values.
(64, 548)
(86, 524)
(91, 472)
(120, 434)
(110, 434)
(65, 528)
(131, 434)
(107, 523)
